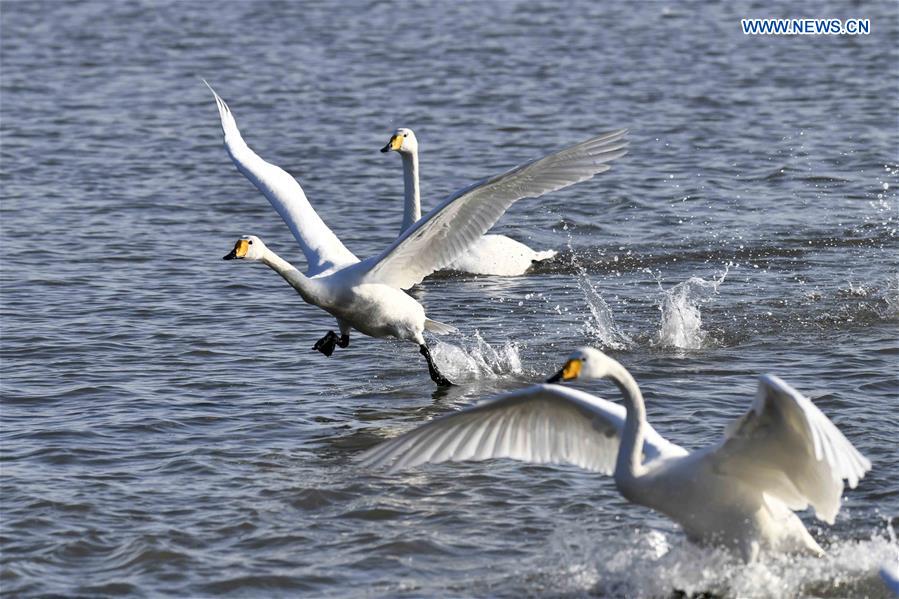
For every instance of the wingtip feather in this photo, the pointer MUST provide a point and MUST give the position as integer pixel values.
(229, 125)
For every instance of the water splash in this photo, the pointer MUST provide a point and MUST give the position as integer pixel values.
(601, 325)
(652, 564)
(889, 570)
(681, 321)
(476, 359)
(891, 298)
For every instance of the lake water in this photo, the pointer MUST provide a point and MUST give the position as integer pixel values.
(166, 428)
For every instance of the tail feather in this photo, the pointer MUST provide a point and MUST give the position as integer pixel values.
(439, 328)
(539, 256)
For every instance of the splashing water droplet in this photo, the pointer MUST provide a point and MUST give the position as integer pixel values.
(476, 359)
(601, 325)
(681, 322)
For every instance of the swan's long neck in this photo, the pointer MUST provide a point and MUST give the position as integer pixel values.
(629, 465)
(412, 203)
(297, 280)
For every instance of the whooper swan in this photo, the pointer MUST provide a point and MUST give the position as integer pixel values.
(782, 455)
(368, 295)
(488, 254)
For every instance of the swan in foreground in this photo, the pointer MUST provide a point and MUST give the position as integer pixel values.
(782, 455)
(488, 254)
(368, 295)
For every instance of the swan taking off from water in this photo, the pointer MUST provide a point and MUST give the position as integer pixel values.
(488, 254)
(782, 455)
(368, 295)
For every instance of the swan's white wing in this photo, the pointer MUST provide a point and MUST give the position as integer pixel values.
(450, 228)
(324, 251)
(785, 446)
(542, 424)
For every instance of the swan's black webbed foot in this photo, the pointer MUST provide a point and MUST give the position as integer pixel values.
(344, 341)
(438, 378)
(327, 343)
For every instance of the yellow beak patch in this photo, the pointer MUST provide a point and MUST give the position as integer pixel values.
(241, 248)
(396, 142)
(571, 369)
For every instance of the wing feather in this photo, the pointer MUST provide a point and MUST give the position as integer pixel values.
(323, 250)
(787, 447)
(448, 230)
(542, 424)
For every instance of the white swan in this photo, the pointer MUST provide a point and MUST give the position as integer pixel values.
(782, 455)
(488, 254)
(368, 296)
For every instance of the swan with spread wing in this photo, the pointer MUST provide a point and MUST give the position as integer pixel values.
(782, 455)
(489, 254)
(368, 295)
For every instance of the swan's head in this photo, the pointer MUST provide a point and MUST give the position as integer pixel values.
(585, 363)
(248, 247)
(402, 141)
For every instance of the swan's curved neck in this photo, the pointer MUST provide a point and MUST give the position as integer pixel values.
(297, 280)
(412, 203)
(629, 463)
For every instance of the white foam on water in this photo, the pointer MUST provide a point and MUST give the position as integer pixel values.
(475, 358)
(654, 565)
(681, 318)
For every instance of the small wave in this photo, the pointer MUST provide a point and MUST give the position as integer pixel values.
(268, 583)
(681, 321)
(410, 547)
(476, 359)
(109, 589)
(619, 259)
(374, 514)
(313, 499)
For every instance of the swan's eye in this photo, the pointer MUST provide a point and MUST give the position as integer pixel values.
(251, 242)
(405, 135)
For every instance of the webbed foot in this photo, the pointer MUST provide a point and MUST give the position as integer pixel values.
(436, 376)
(327, 343)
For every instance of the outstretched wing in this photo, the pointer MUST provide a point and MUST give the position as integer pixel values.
(448, 230)
(542, 424)
(785, 446)
(323, 250)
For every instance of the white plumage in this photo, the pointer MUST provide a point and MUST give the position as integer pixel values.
(542, 424)
(782, 455)
(368, 296)
(486, 255)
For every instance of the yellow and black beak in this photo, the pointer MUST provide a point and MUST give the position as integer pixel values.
(395, 143)
(570, 371)
(239, 251)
